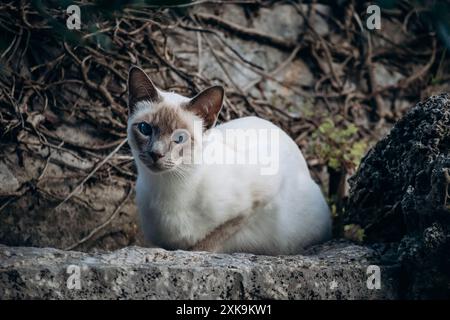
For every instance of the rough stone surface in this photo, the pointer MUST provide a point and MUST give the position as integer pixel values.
(332, 271)
(8, 182)
(400, 193)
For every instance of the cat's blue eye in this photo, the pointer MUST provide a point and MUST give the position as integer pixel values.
(180, 137)
(145, 128)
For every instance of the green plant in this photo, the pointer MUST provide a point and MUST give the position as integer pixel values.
(354, 232)
(338, 144)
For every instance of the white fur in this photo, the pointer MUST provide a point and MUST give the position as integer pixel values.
(176, 214)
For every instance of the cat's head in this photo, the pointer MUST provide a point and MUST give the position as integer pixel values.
(161, 125)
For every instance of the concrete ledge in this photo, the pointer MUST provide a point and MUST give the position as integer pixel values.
(336, 270)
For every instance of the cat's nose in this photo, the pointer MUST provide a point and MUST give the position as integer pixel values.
(155, 155)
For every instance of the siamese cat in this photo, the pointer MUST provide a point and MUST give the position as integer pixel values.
(192, 195)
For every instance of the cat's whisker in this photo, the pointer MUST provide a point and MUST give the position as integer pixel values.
(178, 174)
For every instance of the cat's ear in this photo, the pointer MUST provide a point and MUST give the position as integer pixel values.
(207, 105)
(140, 88)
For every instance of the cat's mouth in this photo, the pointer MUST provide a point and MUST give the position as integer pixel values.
(159, 165)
